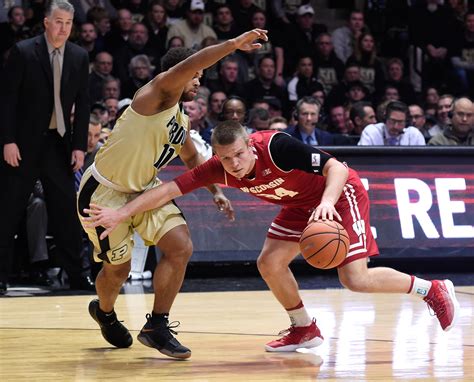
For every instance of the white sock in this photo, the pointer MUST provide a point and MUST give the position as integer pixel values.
(299, 316)
(420, 287)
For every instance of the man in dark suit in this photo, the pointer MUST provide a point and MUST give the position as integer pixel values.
(44, 77)
(307, 115)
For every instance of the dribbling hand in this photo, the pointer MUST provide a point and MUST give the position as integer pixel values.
(325, 211)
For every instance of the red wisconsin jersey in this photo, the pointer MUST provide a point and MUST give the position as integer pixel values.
(295, 188)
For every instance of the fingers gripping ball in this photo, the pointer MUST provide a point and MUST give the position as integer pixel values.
(324, 244)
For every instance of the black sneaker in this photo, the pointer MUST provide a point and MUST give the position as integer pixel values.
(112, 330)
(159, 335)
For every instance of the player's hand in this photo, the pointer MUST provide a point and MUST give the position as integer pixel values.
(247, 41)
(11, 154)
(77, 159)
(223, 204)
(102, 216)
(325, 211)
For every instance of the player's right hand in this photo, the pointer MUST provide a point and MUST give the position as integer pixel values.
(102, 216)
(11, 154)
(247, 41)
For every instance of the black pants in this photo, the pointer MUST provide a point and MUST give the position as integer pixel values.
(52, 166)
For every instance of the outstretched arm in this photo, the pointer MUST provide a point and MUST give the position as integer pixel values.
(149, 200)
(166, 88)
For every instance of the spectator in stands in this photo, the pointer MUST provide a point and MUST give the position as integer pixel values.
(195, 112)
(82, 7)
(234, 108)
(111, 104)
(192, 29)
(216, 100)
(99, 17)
(306, 130)
(338, 94)
(390, 93)
(418, 119)
(329, 69)
(175, 42)
(12, 31)
(264, 86)
(462, 56)
(227, 81)
(100, 111)
(300, 37)
(278, 123)
(140, 72)
(111, 88)
(120, 32)
(272, 47)
(345, 38)
(93, 141)
(259, 119)
(156, 23)
(394, 130)
(443, 111)
(87, 39)
(101, 71)
(304, 82)
(361, 114)
(175, 10)
(339, 122)
(356, 92)
(396, 78)
(431, 99)
(224, 25)
(285, 11)
(461, 131)
(242, 10)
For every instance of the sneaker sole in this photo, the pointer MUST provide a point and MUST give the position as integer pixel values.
(147, 341)
(456, 306)
(315, 342)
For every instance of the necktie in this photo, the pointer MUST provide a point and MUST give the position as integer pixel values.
(77, 178)
(309, 140)
(58, 109)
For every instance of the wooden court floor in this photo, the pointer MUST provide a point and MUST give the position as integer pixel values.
(367, 337)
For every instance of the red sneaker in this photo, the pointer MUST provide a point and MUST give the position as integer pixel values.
(297, 337)
(442, 300)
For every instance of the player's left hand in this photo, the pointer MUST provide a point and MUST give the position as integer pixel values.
(325, 211)
(223, 204)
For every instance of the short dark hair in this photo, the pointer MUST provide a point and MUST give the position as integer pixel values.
(175, 56)
(10, 11)
(358, 110)
(227, 132)
(396, 106)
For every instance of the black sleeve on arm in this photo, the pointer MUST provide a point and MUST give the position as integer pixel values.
(288, 153)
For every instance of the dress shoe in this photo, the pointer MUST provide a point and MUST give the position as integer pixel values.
(40, 278)
(82, 283)
(3, 287)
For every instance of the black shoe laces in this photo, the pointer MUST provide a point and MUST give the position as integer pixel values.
(169, 325)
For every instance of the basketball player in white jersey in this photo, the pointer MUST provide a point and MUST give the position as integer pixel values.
(150, 133)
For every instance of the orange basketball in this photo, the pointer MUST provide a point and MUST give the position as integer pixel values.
(324, 244)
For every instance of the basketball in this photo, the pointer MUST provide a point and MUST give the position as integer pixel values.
(324, 244)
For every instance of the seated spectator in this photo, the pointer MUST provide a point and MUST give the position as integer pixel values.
(99, 111)
(224, 25)
(339, 121)
(112, 108)
(418, 119)
(344, 37)
(140, 72)
(393, 131)
(395, 77)
(328, 68)
(431, 98)
(156, 23)
(192, 28)
(390, 93)
(175, 10)
(306, 130)
(87, 40)
(120, 32)
(264, 86)
(371, 67)
(101, 72)
(461, 131)
(175, 42)
(12, 31)
(338, 94)
(216, 100)
(275, 108)
(356, 91)
(235, 109)
(278, 123)
(194, 110)
(205, 127)
(304, 82)
(443, 111)
(99, 17)
(242, 10)
(227, 81)
(259, 119)
(93, 141)
(361, 114)
(82, 7)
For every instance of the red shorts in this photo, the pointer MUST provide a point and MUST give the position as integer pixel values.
(353, 206)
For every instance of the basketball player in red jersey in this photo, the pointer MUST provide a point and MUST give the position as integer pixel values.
(309, 184)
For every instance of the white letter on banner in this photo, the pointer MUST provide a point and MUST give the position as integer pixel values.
(447, 208)
(419, 209)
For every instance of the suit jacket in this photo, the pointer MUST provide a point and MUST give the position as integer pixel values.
(323, 137)
(28, 97)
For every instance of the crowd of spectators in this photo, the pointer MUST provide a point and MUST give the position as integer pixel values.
(384, 78)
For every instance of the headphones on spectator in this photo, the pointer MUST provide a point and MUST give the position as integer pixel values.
(221, 116)
(306, 99)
